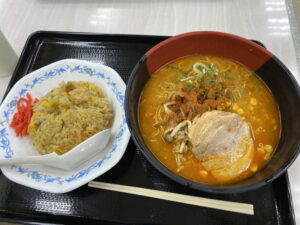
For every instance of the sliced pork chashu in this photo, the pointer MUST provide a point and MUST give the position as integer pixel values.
(222, 142)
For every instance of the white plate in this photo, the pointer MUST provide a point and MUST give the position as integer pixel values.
(38, 83)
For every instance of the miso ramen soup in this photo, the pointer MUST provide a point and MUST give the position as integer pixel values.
(209, 119)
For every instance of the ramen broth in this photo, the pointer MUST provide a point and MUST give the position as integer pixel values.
(245, 94)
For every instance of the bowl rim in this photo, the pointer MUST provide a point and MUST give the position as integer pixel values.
(182, 180)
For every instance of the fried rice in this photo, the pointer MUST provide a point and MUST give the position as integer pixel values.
(68, 115)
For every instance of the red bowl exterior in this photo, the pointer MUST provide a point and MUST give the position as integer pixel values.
(239, 49)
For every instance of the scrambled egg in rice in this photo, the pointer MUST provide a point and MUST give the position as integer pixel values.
(68, 115)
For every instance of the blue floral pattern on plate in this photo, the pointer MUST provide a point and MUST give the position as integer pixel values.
(11, 106)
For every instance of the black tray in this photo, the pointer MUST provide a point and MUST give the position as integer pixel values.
(272, 203)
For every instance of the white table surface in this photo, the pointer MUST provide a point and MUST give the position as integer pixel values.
(263, 20)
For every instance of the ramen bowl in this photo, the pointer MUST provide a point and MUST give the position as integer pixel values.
(253, 56)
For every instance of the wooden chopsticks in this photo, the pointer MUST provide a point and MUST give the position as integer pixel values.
(180, 198)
